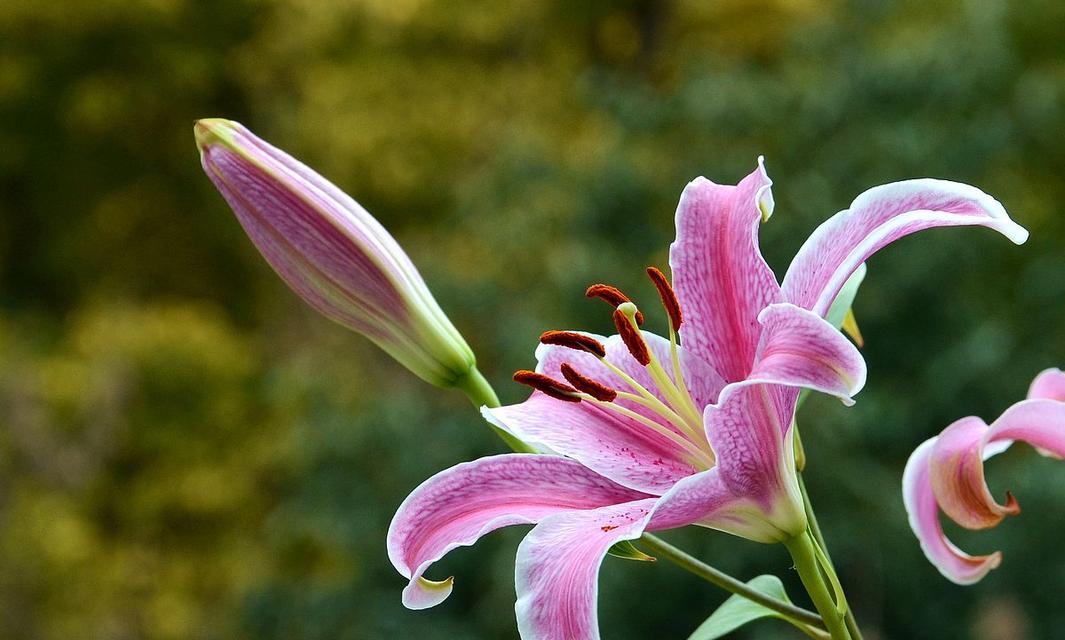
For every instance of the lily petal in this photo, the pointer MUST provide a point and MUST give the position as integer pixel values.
(799, 348)
(1049, 385)
(956, 471)
(923, 511)
(615, 446)
(459, 505)
(749, 431)
(878, 217)
(558, 562)
(1039, 422)
(719, 274)
(557, 570)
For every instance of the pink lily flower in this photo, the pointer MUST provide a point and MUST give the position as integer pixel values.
(332, 253)
(641, 433)
(947, 473)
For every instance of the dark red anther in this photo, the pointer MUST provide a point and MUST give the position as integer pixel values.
(669, 297)
(613, 296)
(630, 335)
(583, 383)
(546, 385)
(574, 340)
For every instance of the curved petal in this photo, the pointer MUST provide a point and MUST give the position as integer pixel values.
(459, 505)
(557, 570)
(799, 348)
(1040, 423)
(612, 445)
(749, 429)
(1048, 385)
(878, 217)
(923, 511)
(956, 469)
(719, 274)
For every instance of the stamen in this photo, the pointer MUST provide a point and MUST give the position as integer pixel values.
(574, 340)
(669, 297)
(546, 385)
(587, 385)
(613, 296)
(630, 335)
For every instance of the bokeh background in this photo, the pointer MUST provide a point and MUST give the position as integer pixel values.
(187, 451)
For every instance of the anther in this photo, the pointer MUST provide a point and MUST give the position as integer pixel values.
(574, 340)
(546, 385)
(613, 296)
(630, 335)
(669, 297)
(587, 385)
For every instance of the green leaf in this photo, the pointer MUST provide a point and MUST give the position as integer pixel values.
(738, 611)
(625, 549)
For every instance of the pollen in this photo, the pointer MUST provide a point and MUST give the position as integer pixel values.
(630, 335)
(613, 296)
(668, 295)
(583, 383)
(547, 385)
(574, 340)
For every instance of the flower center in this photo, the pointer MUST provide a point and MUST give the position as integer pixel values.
(666, 408)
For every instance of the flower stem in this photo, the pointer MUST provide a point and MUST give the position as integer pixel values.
(481, 394)
(663, 549)
(815, 529)
(804, 554)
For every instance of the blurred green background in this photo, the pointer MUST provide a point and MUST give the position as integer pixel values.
(187, 451)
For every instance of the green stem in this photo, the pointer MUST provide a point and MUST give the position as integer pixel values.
(663, 549)
(815, 529)
(481, 394)
(804, 555)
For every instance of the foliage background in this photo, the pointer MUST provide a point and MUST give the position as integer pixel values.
(186, 451)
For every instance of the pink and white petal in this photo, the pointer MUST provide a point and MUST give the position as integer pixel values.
(799, 348)
(615, 446)
(923, 511)
(1040, 423)
(704, 500)
(956, 469)
(750, 431)
(878, 217)
(459, 505)
(719, 274)
(1048, 385)
(557, 570)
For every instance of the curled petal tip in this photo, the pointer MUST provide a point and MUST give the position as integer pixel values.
(423, 593)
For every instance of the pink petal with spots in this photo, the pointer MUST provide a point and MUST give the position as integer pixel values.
(719, 274)
(618, 447)
(878, 217)
(459, 505)
(750, 431)
(557, 570)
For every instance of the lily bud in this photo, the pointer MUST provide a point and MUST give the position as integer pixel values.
(332, 252)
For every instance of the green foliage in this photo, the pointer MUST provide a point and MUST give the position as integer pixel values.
(187, 452)
(738, 611)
